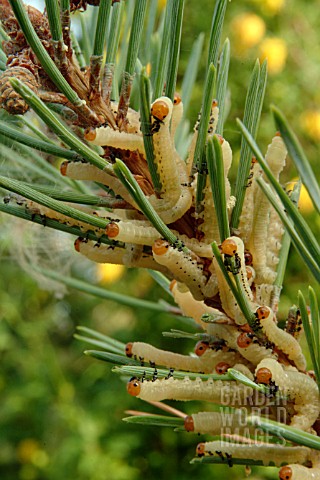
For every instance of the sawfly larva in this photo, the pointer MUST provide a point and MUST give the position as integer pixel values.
(45, 212)
(186, 389)
(267, 453)
(106, 136)
(210, 361)
(275, 157)
(88, 172)
(133, 231)
(183, 267)
(282, 340)
(299, 387)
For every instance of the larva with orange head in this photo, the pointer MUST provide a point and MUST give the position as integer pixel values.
(142, 233)
(268, 453)
(176, 195)
(133, 231)
(213, 423)
(233, 247)
(186, 389)
(250, 349)
(106, 136)
(118, 256)
(183, 266)
(239, 255)
(207, 362)
(283, 340)
(88, 172)
(299, 388)
(164, 151)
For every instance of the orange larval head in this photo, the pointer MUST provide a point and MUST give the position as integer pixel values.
(285, 473)
(128, 349)
(112, 230)
(228, 247)
(77, 244)
(64, 168)
(200, 450)
(264, 375)
(262, 313)
(189, 423)
(159, 110)
(222, 367)
(90, 134)
(200, 348)
(160, 247)
(134, 387)
(243, 341)
(177, 98)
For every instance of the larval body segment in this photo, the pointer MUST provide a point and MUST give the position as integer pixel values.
(204, 364)
(300, 388)
(268, 453)
(275, 158)
(186, 389)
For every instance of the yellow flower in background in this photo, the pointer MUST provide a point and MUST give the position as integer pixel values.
(109, 273)
(305, 203)
(272, 7)
(26, 449)
(248, 29)
(275, 50)
(162, 4)
(148, 69)
(310, 121)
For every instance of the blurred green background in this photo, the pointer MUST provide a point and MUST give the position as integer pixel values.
(61, 411)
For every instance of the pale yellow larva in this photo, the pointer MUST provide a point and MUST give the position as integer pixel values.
(88, 172)
(215, 423)
(184, 267)
(193, 308)
(205, 362)
(283, 340)
(299, 388)
(186, 389)
(199, 248)
(169, 209)
(267, 453)
(164, 151)
(275, 158)
(133, 231)
(106, 136)
(36, 208)
(119, 256)
(247, 213)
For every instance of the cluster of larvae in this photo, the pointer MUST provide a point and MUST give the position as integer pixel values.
(262, 352)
